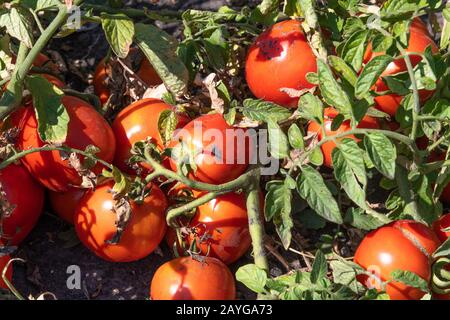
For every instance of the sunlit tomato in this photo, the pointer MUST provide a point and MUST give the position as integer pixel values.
(221, 153)
(137, 122)
(280, 58)
(3, 262)
(146, 73)
(329, 115)
(441, 224)
(95, 224)
(188, 279)
(220, 228)
(418, 42)
(65, 203)
(26, 196)
(401, 245)
(86, 127)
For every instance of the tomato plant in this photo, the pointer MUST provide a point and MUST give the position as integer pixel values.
(24, 198)
(95, 224)
(188, 279)
(336, 111)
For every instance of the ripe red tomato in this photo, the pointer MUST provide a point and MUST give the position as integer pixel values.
(280, 58)
(418, 42)
(95, 224)
(3, 262)
(86, 127)
(146, 72)
(188, 279)
(221, 152)
(220, 225)
(329, 115)
(65, 203)
(441, 224)
(401, 245)
(23, 192)
(138, 122)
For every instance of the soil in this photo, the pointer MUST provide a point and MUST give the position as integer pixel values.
(52, 246)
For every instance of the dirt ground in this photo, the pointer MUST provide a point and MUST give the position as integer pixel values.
(52, 247)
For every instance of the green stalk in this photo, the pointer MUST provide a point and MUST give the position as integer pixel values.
(174, 213)
(24, 153)
(255, 223)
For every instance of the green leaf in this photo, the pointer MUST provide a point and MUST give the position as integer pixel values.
(160, 49)
(119, 31)
(445, 35)
(370, 74)
(340, 66)
(277, 207)
(311, 220)
(313, 189)
(410, 278)
(316, 157)
(52, 116)
(17, 21)
(292, 8)
(167, 123)
(354, 49)
(259, 110)
(319, 267)
(345, 272)
(382, 153)
(268, 6)
(296, 137)
(252, 277)
(395, 9)
(311, 108)
(217, 49)
(349, 170)
(357, 218)
(331, 91)
(278, 141)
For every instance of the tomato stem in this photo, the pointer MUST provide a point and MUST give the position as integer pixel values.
(416, 97)
(17, 156)
(174, 213)
(255, 223)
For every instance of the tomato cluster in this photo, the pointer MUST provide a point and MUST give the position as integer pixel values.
(212, 151)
